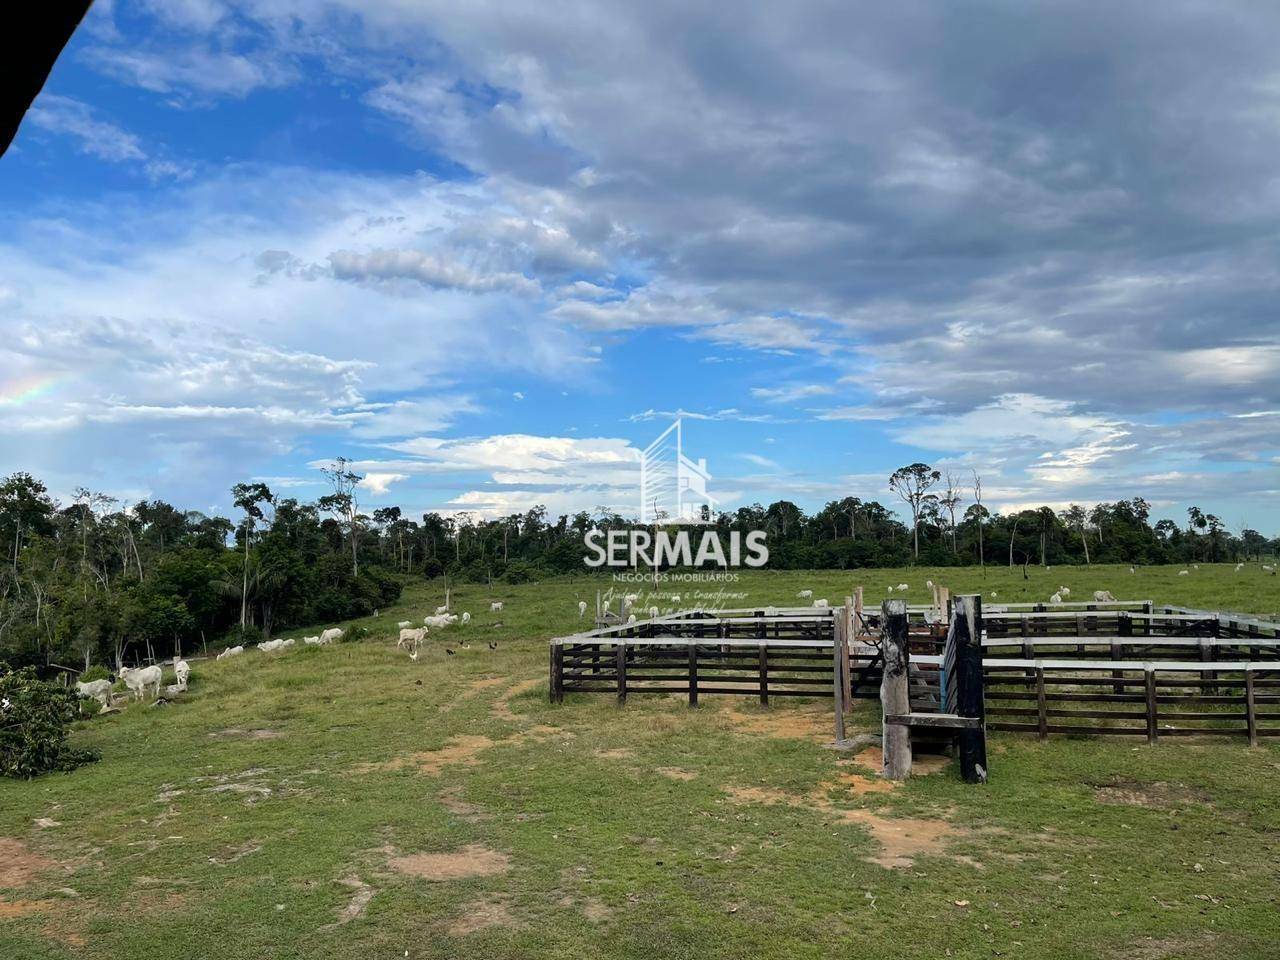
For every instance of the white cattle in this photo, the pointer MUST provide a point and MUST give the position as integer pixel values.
(903, 588)
(631, 619)
(1183, 573)
(1065, 591)
(675, 598)
(653, 613)
(270, 646)
(138, 679)
(404, 623)
(440, 620)
(332, 635)
(1056, 598)
(440, 610)
(994, 594)
(99, 690)
(311, 641)
(182, 671)
(890, 589)
(286, 644)
(231, 652)
(1239, 567)
(495, 607)
(582, 609)
(1103, 596)
(805, 594)
(821, 604)
(466, 616)
(410, 637)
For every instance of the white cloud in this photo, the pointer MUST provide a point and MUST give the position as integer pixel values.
(379, 483)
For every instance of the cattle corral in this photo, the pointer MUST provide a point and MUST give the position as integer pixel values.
(1119, 667)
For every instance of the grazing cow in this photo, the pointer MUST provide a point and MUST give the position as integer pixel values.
(440, 620)
(631, 619)
(1103, 596)
(582, 609)
(821, 604)
(311, 641)
(1183, 573)
(332, 635)
(269, 646)
(137, 679)
(903, 588)
(675, 598)
(410, 638)
(1065, 591)
(286, 644)
(495, 607)
(231, 652)
(805, 594)
(1056, 598)
(99, 690)
(404, 623)
(182, 671)
(466, 616)
(994, 594)
(653, 613)
(440, 610)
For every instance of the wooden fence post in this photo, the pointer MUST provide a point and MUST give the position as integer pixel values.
(693, 674)
(1042, 712)
(1153, 731)
(895, 698)
(1250, 708)
(620, 659)
(837, 673)
(1124, 627)
(970, 701)
(764, 674)
(849, 638)
(557, 673)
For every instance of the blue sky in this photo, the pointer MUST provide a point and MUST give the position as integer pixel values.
(488, 250)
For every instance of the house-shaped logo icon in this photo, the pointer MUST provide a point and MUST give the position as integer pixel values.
(673, 488)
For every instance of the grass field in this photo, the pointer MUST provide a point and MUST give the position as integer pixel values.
(344, 802)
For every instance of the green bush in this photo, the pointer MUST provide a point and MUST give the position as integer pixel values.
(35, 716)
(95, 672)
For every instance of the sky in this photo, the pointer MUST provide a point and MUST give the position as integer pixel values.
(488, 251)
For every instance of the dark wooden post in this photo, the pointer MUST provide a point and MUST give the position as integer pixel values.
(849, 634)
(557, 673)
(764, 674)
(895, 697)
(969, 699)
(1124, 627)
(1250, 709)
(1153, 732)
(693, 674)
(621, 660)
(1148, 608)
(1042, 712)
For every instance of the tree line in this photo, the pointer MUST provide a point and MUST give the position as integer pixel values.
(97, 581)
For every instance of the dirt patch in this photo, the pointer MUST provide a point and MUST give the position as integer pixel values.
(676, 773)
(232, 854)
(900, 840)
(21, 908)
(1156, 794)
(360, 897)
(859, 784)
(473, 860)
(259, 734)
(620, 753)
(19, 865)
(502, 706)
(462, 749)
(481, 915)
(593, 908)
(1161, 948)
(786, 723)
(484, 683)
(921, 765)
(452, 801)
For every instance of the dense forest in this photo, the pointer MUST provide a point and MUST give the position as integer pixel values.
(95, 581)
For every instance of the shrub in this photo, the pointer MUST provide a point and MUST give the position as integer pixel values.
(34, 719)
(95, 672)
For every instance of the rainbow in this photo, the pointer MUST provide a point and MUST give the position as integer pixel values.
(20, 390)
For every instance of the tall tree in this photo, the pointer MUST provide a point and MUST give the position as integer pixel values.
(250, 498)
(343, 504)
(912, 484)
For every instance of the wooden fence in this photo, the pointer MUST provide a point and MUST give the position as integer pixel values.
(1132, 670)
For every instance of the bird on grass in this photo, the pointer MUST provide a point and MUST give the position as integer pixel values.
(493, 646)
(448, 651)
